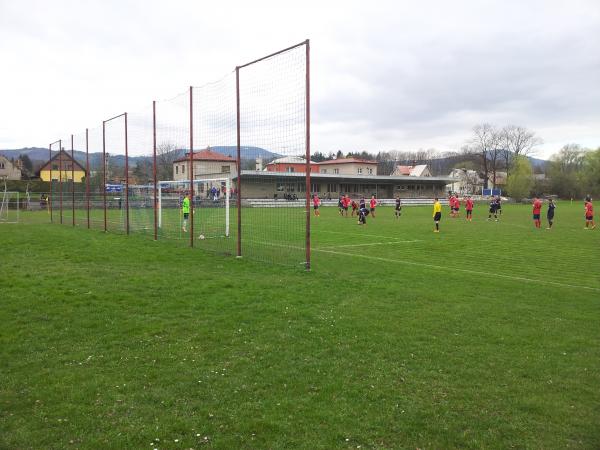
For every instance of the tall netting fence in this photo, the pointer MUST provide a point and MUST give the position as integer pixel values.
(116, 173)
(221, 166)
(141, 172)
(273, 136)
(95, 185)
(172, 153)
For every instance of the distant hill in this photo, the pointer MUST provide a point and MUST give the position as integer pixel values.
(39, 155)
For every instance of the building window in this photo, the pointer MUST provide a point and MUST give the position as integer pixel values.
(183, 168)
(336, 171)
(323, 170)
(359, 170)
(315, 187)
(225, 169)
(54, 166)
(176, 170)
(332, 187)
(289, 169)
(1, 165)
(370, 171)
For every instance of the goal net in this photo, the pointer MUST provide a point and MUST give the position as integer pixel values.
(211, 211)
(9, 207)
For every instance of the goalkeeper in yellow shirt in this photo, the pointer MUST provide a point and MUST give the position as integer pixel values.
(437, 214)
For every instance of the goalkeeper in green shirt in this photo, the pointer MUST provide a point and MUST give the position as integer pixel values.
(185, 209)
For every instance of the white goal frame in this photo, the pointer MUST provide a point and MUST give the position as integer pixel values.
(197, 182)
(5, 216)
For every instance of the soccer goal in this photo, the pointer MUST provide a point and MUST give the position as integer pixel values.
(211, 207)
(9, 207)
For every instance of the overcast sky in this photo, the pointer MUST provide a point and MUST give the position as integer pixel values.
(386, 75)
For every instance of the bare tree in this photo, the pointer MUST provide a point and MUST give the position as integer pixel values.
(166, 155)
(486, 143)
(517, 141)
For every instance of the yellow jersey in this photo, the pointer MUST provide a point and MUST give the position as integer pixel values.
(437, 208)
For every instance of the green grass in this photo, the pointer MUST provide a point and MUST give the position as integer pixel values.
(482, 336)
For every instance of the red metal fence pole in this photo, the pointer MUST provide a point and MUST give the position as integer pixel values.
(238, 165)
(154, 169)
(191, 168)
(308, 155)
(104, 170)
(87, 177)
(60, 150)
(72, 181)
(126, 180)
(51, 191)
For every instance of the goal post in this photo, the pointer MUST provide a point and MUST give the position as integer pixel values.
(211, 203)
(9, 207)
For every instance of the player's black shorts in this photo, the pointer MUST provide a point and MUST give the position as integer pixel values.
(550, 216)
(469, 211)
(345, 208)
(316, 207)
(186, 215)
(589, 218)
(372, 209)
(437, 217)
(455, 209)
(536, 217)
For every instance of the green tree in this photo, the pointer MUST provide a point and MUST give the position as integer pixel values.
(591, 172)
(520, 180)
(566, 170)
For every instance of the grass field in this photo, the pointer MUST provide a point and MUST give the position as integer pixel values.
(482, 336)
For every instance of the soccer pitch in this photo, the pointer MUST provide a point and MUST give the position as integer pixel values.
(482, 336)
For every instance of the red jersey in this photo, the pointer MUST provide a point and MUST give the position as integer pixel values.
(589, 209)
(373, 203)
(345, 202)
(456, 203)
(469, 204)
(316, 201)
(537, 206)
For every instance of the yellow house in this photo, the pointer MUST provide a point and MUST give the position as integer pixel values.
(62, 168)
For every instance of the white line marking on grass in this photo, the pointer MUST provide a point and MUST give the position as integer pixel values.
(372, 243)
(474, 272)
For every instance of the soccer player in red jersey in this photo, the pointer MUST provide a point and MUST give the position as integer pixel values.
(354, 208)
(373, 204)
(469, 208)
(316, 204)
(345, 203)
(537, 210)
(456, 206)
(589, 214)
(451, 205)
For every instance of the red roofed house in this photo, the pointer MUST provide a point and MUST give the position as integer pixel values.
(348, 166)
(207, 164)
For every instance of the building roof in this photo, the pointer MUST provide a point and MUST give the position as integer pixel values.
(347, 161)
(206, 155)
(289, 160)
(66, 157)
(418, 170)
